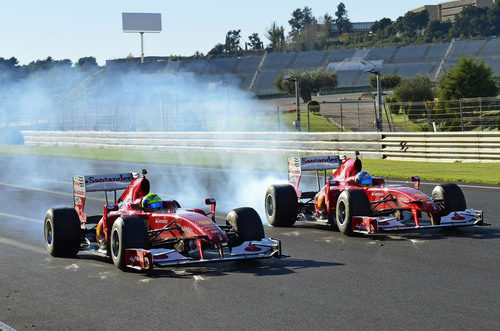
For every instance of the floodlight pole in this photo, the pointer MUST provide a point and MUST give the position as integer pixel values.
(297, 96)
(380, 125)
(142, 47)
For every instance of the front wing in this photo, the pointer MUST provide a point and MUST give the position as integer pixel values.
(366, 224)
(141, 259)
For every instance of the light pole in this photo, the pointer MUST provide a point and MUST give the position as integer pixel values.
(289, 77)
(374, 70)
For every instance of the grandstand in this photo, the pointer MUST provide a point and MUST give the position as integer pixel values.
(257, 73)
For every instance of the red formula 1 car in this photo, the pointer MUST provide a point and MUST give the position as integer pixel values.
(140, 239)
(355, 202)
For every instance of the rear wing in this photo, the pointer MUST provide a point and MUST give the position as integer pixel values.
(296, 165)
(96, 183)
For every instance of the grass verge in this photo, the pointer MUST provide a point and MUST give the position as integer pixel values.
(458, 172)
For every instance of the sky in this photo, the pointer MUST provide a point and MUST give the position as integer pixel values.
(34, 29)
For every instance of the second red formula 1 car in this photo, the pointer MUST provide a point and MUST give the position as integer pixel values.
(139, 230)
(354, 201)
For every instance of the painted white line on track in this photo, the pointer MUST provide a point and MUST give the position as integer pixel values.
(22, 218)
(5, 327)
(437, 183)
(21, 245)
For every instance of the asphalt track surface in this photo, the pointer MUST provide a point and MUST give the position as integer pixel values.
(428, 280)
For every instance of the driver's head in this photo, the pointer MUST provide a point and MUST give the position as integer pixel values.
(151, 202)
(363, 178)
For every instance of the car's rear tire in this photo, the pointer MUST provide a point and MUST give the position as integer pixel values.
(351, 203)
(281, 205)
(127, 232)
(245, 223)
(62, 232)
(452, 197)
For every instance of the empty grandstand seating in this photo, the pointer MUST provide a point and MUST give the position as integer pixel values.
(406, 61)
(436, 53)
(492, 47)
(412, 69)
(309, 59)
(277, 61)
(340, 55)
(248, 64)
(383, 53)
(411, 54)
(466, 47)
(265, 82)
(221, 65)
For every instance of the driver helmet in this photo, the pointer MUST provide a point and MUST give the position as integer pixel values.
(151, 202)
(363, 178)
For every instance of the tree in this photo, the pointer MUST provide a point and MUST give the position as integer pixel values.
(329, 24)
(437, 30)
(409, 24)
(418, 88)
(276, 35)
(86, 62)
(233, 41)
(388, 80)
(380, 25)
(471, 22)
(342, 21)
(493, 15)
(217, 50)
(309, 81)
(255, 42)
(468, 79)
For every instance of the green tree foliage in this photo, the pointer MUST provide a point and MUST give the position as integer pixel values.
(437, 30)
(342, 22)
(379, 26)
(255, 42)
(309, 81)
(493, 15)
(409, 24)
(276, 36)
(413, 91)
(468, 79)
(217, 50)
(472, 21)
(86, 63)
(300, 19)
(232, 43)
(388, 80)
(418, 88)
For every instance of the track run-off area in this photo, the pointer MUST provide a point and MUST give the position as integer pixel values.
(433, 279)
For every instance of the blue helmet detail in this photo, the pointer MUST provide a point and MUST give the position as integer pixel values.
(364, 178)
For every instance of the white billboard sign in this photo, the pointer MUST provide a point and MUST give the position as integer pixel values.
(141, 22)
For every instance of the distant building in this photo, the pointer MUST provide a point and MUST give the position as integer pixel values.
(446, 11)
(358, 26)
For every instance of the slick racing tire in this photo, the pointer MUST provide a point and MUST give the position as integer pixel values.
(246, 225)
(452, 197)
(62, 232)
(127, 232)
(350, 203)
(281, 205)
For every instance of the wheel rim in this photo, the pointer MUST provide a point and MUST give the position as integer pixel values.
(115, 247)
(341, 213)
(48, 233)
(269, 205)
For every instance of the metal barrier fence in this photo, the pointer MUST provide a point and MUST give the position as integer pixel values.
(447, 147)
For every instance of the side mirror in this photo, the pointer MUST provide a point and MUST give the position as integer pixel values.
(210, 201)
(416, 180)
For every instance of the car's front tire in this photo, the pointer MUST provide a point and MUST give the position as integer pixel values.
(450, 197)
(245, 223)
(127, 232)
(351, 203)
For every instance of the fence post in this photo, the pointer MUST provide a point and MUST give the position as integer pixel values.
(404, 117)
(341, 119)
(278, 115)
(481, 112)
(357, 104)
(376, 117)
(461, 114)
